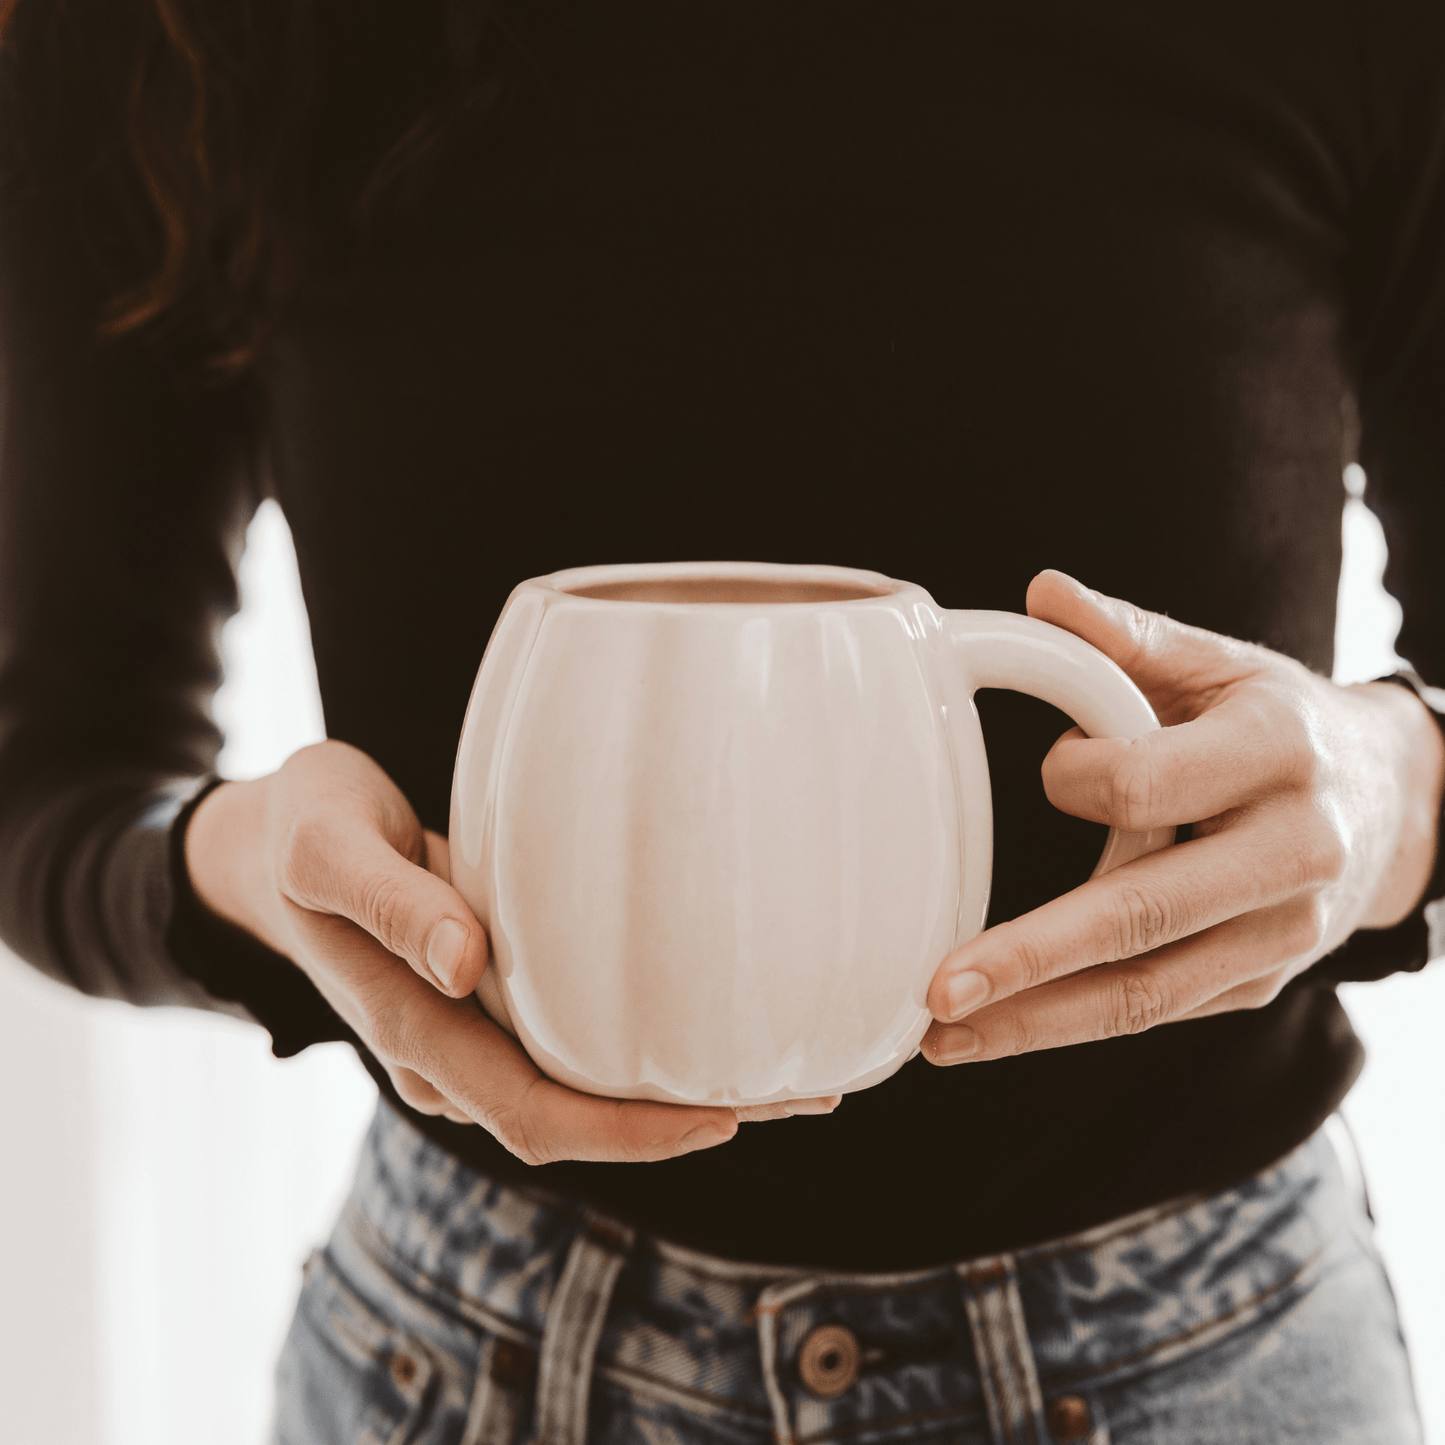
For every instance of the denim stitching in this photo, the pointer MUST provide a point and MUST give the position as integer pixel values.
(1074, 1376)
(379, 1249)
(630, 1375)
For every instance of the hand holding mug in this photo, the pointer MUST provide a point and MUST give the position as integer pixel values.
(1313, 808)
(325, 861)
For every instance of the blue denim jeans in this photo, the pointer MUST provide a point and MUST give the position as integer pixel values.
(449, 1308)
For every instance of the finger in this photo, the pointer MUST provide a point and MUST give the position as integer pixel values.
(1237, 752)
(1178, 668)
(540, 1120)
(418, 1094)
(1133, 910)
(488, 990)
(347, 868)
(1252, 994)
(476, 1065)
(787, 1108)
(1128, 997)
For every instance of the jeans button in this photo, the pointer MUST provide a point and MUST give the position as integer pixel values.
(1069, 1419)
(828, 1361)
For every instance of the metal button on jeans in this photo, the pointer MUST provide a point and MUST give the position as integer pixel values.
(1069, 1419)
(828, 1361)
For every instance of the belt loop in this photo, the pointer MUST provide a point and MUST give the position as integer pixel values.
(1001, 1346)
(774, 1299)
(574, 1325)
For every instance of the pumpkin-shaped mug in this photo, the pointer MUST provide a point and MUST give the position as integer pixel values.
(723, 820)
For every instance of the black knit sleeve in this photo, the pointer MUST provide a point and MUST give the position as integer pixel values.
(1398, 286)
(125, 489)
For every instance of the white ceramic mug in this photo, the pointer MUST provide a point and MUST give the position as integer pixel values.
(723, 820)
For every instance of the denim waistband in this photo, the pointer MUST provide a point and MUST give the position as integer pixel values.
(730, 1339)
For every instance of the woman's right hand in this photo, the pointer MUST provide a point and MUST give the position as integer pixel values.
(325, 861)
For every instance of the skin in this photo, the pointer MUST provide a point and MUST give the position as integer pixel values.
(325, 861)
(1314, 810)
(1314, 813)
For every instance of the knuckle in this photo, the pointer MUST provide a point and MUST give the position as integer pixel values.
(520, 1137)
(1301, 753)
(394, 1035)
(634, 1140)
(1305, 925)
(384, 909)
(1292, 741)
(1015, 1038)
(1322, 855)
(1133, 793)
(1260, 992)
(515, 1122)
(1146, 631)
(1270, 988)
(386, 1036)
(1139, 1002)
(1141, 919)
(1030, 958)
(1266, 720)
(416, 1092)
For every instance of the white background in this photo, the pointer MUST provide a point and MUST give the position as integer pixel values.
(164, 1177)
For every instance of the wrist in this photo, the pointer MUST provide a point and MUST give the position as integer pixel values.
(224, 856)
(1417, 751)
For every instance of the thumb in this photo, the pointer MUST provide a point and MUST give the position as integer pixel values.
(353, 872)
(1170, 662)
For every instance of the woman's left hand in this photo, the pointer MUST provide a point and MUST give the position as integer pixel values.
(1314, 810)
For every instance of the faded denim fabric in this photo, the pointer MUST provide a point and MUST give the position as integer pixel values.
(450, 1310)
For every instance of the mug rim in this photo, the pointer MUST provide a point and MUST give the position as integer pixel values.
(878, 587)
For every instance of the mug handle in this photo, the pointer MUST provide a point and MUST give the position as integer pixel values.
(1009, 650)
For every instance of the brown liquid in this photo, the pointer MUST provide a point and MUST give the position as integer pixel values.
(725, 589)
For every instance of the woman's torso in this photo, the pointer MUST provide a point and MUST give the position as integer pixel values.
(955, 293)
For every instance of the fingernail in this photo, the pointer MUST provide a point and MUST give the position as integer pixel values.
(965, 992)
(444, 950)
(814, 1106)
(705, 1136)
(958, 1044)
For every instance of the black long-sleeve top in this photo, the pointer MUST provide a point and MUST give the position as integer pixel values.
(950, 291)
